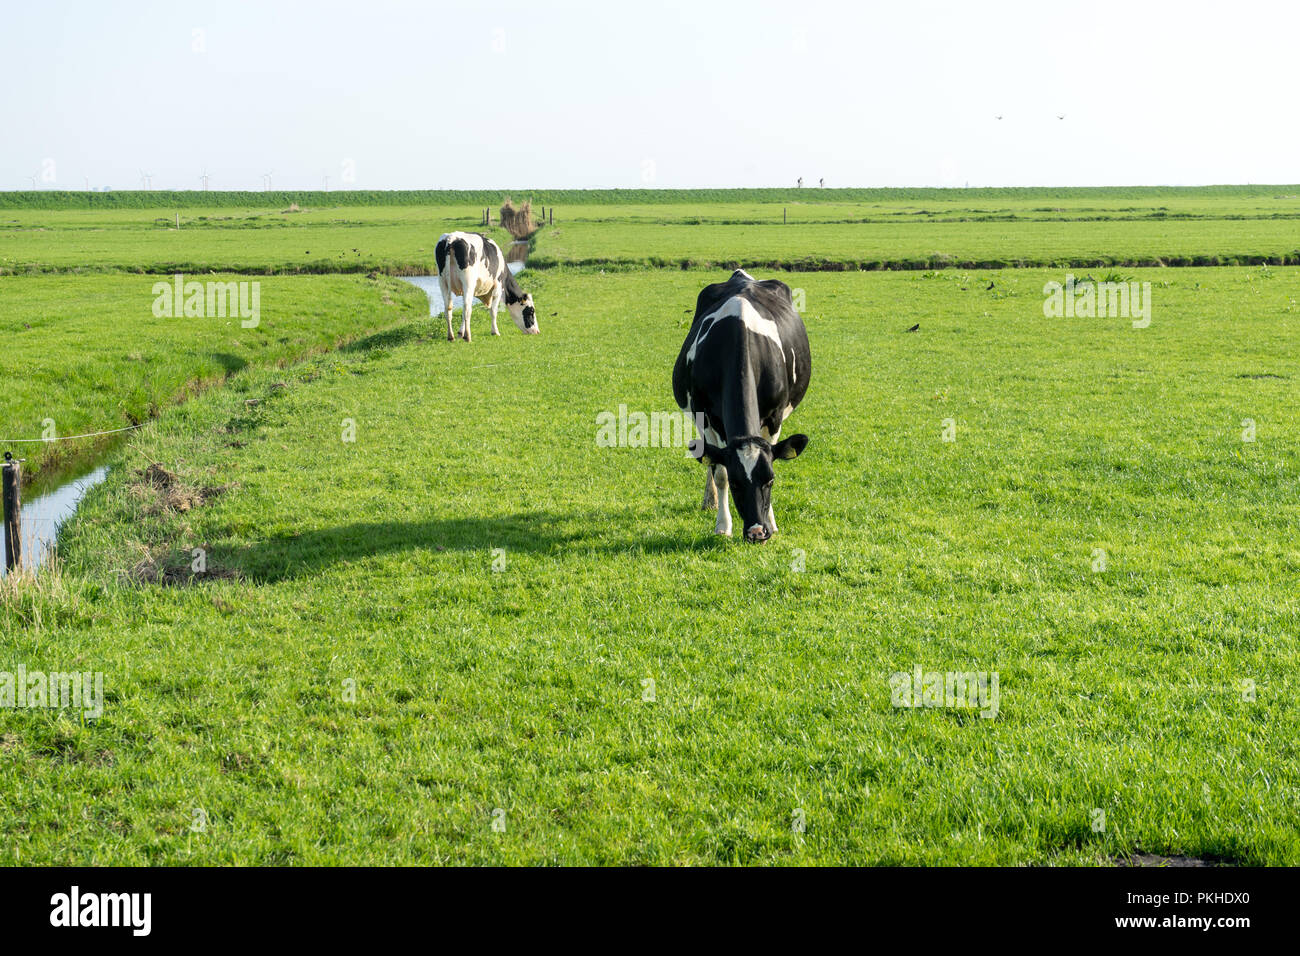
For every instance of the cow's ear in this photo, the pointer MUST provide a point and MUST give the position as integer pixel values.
(701, 449)
(792, 447)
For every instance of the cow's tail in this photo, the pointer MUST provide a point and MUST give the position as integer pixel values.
(440, 254)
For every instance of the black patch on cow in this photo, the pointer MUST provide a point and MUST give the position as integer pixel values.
(514, 292)
(492, 253)
(464, 253)
(440, 254)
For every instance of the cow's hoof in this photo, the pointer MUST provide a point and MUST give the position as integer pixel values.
(722, 534)
(707, 505)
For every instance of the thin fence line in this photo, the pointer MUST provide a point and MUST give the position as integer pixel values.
(111, 431)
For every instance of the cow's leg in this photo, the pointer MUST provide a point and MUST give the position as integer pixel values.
(446, 302)
(494, 303)
(773, 437)
(724, 506)
(464, 324)
(710, 491)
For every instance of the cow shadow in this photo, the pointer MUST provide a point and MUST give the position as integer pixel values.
(230, 364)
(414, 331)
(301, 554)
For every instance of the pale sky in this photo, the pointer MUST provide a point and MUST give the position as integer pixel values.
(665, 94)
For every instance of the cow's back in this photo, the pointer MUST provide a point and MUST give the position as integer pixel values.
(712, 346)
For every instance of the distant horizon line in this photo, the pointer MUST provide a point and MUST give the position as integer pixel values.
(666, 189)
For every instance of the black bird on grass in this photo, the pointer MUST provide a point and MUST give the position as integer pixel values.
(989, 286)
(915, 328)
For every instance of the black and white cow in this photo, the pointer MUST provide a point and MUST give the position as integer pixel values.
(743, 368)
(471, 265)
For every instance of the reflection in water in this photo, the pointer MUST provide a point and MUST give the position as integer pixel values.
(430, 286)
(43, 515)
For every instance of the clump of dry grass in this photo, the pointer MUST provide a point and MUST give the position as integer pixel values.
(518, 220)
(156, 568)
(163, 491)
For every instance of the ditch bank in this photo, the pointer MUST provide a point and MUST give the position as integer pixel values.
(925, 263)
(407, 269)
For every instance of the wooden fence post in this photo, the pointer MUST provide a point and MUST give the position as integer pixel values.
(12, 494)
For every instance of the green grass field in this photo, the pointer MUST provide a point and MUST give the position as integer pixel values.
(909, 230)
(453, 618)
(94, 357)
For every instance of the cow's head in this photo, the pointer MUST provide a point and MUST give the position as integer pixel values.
(750, 476)
(525, 314)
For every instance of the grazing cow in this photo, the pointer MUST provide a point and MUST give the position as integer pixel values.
(743, 369)
(471, 265)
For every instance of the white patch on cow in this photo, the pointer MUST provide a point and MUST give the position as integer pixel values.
(760, 325)
(724, 505)
(748, 455)
(794, 370)
(771, 519)
(737, 307)
(712, 437)
(742, 272)
(706, 326)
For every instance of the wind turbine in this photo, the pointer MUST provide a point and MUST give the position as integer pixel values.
(33, 179)
(266, 180)
(204, 177)
(327, 184)
(146, 180)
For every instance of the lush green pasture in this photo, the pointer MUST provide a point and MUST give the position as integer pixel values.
(922, 244)
(820, 231)
(368, 565)
(395, 241)
(88, 354)
(823, 206)
(170, 199)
